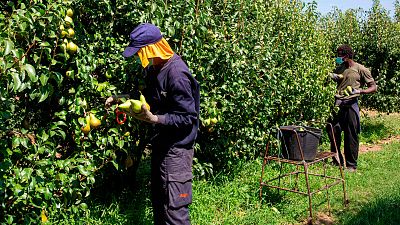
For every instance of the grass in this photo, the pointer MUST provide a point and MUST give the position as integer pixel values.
(373, 192)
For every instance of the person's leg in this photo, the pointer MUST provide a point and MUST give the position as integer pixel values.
(337, 130)
(179, 186)
(351, 141)
(158, 186)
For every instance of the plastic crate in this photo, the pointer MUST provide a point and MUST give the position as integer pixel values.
(309, 139)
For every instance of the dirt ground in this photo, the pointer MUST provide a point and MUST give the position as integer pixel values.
(377, 146)
(324, 218)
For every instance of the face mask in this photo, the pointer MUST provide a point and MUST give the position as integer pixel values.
(339, 60)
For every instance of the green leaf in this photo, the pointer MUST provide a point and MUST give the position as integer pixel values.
(31, 72)
(83, 171)
(116, 165)
(44, 93)
(17, 81)
(44, 79)
(45, 44)
(9, 47)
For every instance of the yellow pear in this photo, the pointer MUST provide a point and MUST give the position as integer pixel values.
(349, 89)
(94, 122)
(71, 33)
(70, 13)
(69, 73)
(68, 21)
(86, 128)
(64, 33)
(207, 122)
(143, 101)
(72, 47)
(43, 216)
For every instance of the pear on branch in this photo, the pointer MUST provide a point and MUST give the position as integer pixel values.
(94, 122)
(86, 129)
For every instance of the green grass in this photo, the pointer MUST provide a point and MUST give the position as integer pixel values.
(373, 192)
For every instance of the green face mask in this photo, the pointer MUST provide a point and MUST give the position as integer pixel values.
(339, 60)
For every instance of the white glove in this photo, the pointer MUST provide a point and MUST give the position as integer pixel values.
(355, 92)
(109, 101)
(335, 76)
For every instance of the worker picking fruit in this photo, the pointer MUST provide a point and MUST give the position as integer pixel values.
(350, 77)
(174, 97)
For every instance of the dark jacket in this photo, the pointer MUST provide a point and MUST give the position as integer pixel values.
(174, 97)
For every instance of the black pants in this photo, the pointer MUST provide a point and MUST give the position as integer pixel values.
(171, 185)
(348, 121)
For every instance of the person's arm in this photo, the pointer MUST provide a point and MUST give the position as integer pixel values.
(371, 88)
(183, 112)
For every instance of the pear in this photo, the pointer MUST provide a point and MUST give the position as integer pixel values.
(207, 122)
(64, 33)
(131, 104)
(94, 122)
(43, 216)
(72, 47)
(70, 13)
(70, 33)
(143, 101)
(136, 106)
(86, 128)
(349, 89)
(68, 21)
(125, 106)
(69, 73)
(214, 120)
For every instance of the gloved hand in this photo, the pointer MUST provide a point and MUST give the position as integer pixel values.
(109, 101)
(144, 115)
(355, 92)
(335, 76)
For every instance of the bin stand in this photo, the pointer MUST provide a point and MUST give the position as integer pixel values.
(320, 157)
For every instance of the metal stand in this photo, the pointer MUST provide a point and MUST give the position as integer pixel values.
(320, 157)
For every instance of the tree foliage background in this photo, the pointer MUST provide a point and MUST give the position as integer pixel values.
(260, 64)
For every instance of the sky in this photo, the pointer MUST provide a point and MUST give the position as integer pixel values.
(325, 6)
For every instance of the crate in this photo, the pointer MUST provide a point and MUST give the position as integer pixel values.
(308, 137)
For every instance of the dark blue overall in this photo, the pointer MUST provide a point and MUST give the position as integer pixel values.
(174, 97)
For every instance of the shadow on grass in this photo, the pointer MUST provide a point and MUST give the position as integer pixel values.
(373, 130)
(125, 196)
(383, 211)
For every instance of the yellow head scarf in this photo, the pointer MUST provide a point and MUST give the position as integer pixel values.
(160, 49)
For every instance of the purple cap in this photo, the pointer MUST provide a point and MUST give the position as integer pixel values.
(143, 35)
